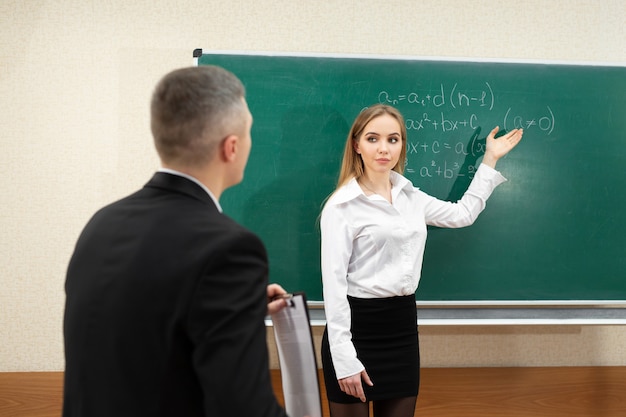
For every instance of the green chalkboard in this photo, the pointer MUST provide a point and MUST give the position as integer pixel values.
(556, 231)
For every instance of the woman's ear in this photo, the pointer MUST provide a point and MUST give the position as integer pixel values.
(355, 146)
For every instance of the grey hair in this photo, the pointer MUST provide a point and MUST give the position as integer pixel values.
(192, 110)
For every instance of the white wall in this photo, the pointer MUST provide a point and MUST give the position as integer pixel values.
(75, 81)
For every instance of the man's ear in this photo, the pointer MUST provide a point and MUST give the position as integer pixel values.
(229, 148)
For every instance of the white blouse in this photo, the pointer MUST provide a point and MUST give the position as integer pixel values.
(373, 249)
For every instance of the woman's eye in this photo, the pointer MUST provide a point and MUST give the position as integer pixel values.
(371, 139)
(393, 140)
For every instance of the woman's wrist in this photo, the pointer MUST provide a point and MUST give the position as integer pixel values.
(490, 160)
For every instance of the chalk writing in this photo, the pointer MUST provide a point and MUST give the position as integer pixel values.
(455, 97)
(440, 122)
(454, 110)
(445, 170)
(475, 147)
(544, 122)
(453, 152)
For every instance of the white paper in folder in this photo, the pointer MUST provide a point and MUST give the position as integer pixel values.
(296, 354)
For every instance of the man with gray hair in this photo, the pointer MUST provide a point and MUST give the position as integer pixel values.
(166, 295)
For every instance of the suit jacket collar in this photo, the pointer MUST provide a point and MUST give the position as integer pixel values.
(178, 184)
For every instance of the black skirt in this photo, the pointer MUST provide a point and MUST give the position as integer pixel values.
(385, 336)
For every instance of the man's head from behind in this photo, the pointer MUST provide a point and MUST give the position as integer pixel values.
(193, 112)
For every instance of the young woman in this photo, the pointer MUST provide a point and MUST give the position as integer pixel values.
(373, 236)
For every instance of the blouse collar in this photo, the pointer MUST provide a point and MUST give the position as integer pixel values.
(352, 189)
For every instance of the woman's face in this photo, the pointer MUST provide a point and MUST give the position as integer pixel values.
(380, 144)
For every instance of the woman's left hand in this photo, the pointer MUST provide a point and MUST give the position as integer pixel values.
(498, 147)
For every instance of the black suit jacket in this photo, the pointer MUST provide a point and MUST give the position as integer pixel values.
(166, 300)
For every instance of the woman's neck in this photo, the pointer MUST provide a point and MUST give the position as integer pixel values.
(380, 185)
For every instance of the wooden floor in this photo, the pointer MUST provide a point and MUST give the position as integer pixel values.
(444, 392)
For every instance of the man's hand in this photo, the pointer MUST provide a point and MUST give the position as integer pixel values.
(274, 302)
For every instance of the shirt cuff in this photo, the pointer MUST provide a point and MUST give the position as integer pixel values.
(491, 174)
(345, 361)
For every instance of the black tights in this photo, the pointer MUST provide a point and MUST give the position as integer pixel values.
(395, 407)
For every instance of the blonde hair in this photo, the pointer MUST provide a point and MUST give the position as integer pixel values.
(352, 164)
